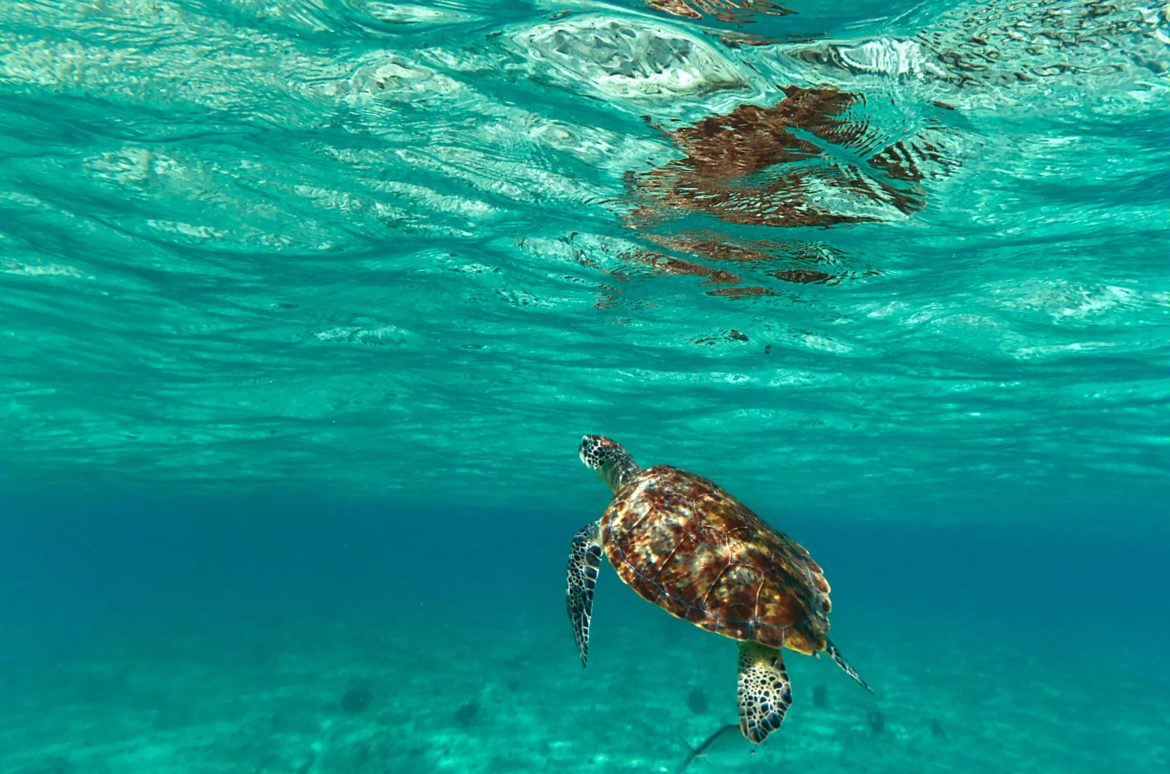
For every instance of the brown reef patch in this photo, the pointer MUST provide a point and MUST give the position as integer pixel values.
(757, 263)
(803, 276)
(742, 292)
(774, 166)
(671, 265)
(740, 11)
(817, 158)
(765, 254)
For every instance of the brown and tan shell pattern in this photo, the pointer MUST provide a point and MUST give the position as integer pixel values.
(686, 545)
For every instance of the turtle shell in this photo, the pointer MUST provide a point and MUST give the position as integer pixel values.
(689, 547)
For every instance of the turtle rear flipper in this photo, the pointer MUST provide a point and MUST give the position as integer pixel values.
(835, 654)
(584, 565)
(764, 692)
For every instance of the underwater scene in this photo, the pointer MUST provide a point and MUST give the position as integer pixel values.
(505, 386)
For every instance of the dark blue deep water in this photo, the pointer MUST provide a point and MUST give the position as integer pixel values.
(305, 306)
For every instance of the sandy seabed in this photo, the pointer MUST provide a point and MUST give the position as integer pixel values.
(307, 698)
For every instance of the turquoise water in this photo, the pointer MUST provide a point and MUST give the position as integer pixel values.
(305, 307)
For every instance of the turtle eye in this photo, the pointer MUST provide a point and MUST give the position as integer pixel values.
(590, 447)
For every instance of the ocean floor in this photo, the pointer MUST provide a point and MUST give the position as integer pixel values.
(508, 695)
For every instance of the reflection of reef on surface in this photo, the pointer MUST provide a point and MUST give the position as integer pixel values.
(749, 267)
(778, 166)
(1004, 52)
(629, 58)
(790, 260)
(999, 44)
(815, 159)
(721, 10)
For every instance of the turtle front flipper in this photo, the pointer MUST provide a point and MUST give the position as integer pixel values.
(764, 691)
(584, 565)
(835, 654)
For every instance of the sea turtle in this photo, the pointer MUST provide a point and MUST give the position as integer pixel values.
(689, 547)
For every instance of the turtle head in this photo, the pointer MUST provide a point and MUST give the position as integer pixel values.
(613, 463)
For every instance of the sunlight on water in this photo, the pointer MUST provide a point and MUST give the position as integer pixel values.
(378, 247)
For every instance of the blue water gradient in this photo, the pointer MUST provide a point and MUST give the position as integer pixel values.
(224, 634)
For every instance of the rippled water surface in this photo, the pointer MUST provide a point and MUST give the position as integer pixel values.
(905, 253)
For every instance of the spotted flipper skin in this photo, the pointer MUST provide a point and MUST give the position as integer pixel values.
(584, 565)
(835, 654)
(764, 692)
